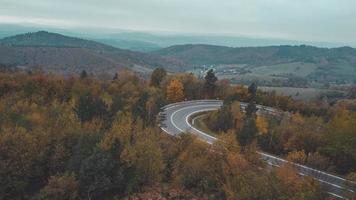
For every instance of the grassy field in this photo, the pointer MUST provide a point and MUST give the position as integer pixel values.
(297, 69)
(267, 74)
(250, 77)
(298, 93)
(198, 121)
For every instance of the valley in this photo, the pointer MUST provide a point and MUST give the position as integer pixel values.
(177, 100)
(109, 103)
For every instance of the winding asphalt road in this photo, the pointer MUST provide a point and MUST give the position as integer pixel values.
(176, 120)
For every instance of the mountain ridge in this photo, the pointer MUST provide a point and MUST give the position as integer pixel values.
(63, 54)
(331, 64)
(44, 39)
(180, 51)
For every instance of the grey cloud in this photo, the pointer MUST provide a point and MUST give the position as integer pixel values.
(313, 20)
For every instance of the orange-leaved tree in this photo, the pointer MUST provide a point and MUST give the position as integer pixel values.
(262, 125)
(175, 91)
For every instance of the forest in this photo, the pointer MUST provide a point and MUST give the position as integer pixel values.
(84, 137)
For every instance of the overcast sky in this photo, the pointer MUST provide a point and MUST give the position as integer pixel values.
(305, 20)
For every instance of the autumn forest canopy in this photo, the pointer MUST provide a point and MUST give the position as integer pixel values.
(85, 137)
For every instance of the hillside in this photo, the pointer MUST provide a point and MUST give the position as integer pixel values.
(325, 65)
(295, 66)
(134, 45)
(165, 40)
(47, 39)
(59, 53)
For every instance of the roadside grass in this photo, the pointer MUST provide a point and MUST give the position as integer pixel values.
(199, 122)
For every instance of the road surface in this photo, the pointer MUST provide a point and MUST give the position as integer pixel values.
(176, 120)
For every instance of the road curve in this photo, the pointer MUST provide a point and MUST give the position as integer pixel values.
(175, 120)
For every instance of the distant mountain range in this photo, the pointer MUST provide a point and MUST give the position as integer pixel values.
(167, 40)
(325, 64)
(47, 39)
(58, 53)
(150, 41)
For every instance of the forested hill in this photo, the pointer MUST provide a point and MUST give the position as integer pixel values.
(47, 39)
(59, 53)
(339, 63)
(209, 54)
(62, 54)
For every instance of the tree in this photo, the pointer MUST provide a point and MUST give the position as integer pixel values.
(352, 92)
(195, 166)
(143, 163)
(116, 76)
(139, 108)
(117, 104)
(296, 186)
(192, 86)
(297, 157)
(262, 125)
(318, 161)
(90, 107)
(175, 91)
(157, 76)
(60, 187)
(237, 115)
(19, 151)
(99, 175)
(221, 120)
(341, 140)
(210, 83)
(154, 103)
(252, 90)
(249, 129)
(302, 134)
(84, 74)
(251, 108)
(248, 132)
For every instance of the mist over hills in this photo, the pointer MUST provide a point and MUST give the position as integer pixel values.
(146, 41)
(171, 39)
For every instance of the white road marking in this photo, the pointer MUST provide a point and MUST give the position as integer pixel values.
(184, 108)
(192, 127)
(332, 184)
(174, 124)
(338, 196)
(165, 130)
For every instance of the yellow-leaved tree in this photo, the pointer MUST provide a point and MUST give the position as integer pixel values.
(262, 125)
(297, 157)
(175, 91)
(237, 115)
